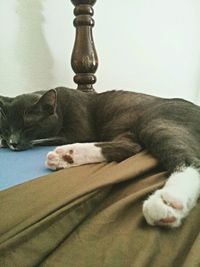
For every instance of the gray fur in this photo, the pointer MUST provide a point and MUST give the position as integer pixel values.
(122, 123)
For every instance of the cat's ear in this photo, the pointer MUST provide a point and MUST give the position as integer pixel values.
(48, 101)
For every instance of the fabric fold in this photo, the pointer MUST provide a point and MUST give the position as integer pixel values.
(91, 216)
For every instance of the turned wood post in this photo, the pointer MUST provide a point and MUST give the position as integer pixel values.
(84, 59)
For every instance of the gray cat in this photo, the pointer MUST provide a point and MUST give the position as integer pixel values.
(113, 126)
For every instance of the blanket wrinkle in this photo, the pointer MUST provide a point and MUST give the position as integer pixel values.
(72, 189)
(51, 231)
(91, 216)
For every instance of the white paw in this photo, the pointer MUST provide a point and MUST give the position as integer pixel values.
(73, 155)
(169, 205)
(165, 209)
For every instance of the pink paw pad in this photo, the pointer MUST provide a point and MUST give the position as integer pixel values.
(177, 205)
(169, 220)
(60, 150)
(166, 221)
(51, 155)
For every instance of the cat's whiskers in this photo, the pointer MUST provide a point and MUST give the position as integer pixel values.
(13, 148)
(46, 140)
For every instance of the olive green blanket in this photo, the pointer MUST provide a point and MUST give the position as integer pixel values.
(91, 216)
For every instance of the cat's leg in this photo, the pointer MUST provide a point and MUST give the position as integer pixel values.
(178, 153)
(77, 154)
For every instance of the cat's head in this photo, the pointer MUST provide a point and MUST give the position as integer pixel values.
(28, 117)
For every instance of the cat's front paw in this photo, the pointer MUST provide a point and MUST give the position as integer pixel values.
(165, 209)
(60, 158)
(73, 155)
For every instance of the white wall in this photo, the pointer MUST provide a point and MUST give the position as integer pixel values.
(147, 46)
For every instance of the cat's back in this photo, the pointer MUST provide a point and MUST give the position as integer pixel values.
(126, 99)
(111, 101)
(122, 109)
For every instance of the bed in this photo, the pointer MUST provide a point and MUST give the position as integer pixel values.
(91, 215)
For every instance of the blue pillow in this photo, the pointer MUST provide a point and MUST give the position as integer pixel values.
(19, 166)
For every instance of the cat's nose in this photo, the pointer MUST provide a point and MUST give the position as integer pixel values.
(13, 142)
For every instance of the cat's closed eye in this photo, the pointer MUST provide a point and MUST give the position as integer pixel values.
(31, 117)
(30, 120)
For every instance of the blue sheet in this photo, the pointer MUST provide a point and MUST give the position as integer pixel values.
(19, 166)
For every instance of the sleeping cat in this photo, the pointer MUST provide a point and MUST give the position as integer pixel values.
(113, 126)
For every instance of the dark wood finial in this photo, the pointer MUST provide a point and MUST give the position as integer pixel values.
(84, 60)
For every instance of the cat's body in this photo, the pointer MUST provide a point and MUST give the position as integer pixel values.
(112, 126)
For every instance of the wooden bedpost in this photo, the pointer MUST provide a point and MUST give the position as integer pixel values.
(84, 60)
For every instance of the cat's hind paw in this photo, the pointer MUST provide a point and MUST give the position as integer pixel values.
(169, 205)
(164, 209)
